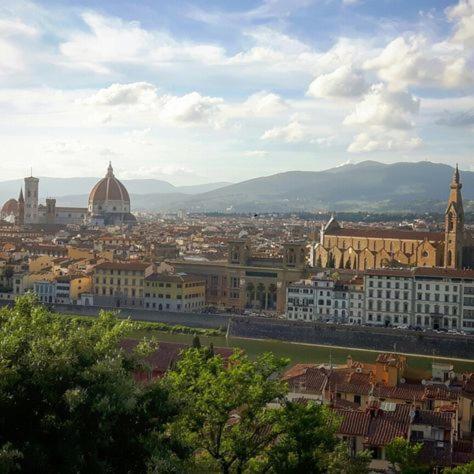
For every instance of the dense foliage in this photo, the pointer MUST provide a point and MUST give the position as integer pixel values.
(69, 402)
(405, 457)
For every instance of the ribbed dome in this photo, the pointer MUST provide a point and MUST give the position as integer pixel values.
(10, 207)
(109, 189)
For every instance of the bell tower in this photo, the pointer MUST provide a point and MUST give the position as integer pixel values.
(454, 225)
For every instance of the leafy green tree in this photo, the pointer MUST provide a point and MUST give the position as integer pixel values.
(196, 342)
(405, 456)
(307, 442)
(464, 469)
(68, 400)
(340, 462)
(9, 459)
(224, 415)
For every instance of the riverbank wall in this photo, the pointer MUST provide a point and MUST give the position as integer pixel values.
(360, 337)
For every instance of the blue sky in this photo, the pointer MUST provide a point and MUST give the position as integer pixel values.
(198, 91)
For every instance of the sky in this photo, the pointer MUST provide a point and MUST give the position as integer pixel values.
(201, 91)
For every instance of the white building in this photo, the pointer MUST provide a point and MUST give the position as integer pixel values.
(326, 299)
(424, 298)
(388, 297)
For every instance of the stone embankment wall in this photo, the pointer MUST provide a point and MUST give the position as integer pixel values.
(380, 339)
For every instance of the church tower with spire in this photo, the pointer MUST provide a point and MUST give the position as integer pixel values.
(454, 225)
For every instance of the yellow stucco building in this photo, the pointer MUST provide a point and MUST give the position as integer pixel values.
(369, 247)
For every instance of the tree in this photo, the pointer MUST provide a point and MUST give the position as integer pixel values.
(68, 400)
(404, 456)
(224, 416)
(340, 462)
(196, 342)
(464, 469)
(307, 442)
(9, 459)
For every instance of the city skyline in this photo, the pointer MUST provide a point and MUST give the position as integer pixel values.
(195, 92)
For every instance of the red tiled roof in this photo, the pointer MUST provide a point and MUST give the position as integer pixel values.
(354, 423)
(167, 353)
(383, 430)
(434, 418)
(122, 266)
(380, 233)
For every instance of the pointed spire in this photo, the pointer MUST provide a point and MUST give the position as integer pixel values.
(21, 198)
(456, 175)
(110, 170)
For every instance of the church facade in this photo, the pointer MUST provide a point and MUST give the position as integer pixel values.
(368, 248)
(108, 204)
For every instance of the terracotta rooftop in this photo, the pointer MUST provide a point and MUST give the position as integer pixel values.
(379, 233)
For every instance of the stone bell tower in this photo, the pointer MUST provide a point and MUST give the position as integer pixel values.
(31, 200)
(454, 225)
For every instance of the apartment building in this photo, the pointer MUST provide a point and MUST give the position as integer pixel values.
(174, 292)
(120, 284)
(388, 297)
(66, 289)
(425, 298)
(376, 404)
(324, 298)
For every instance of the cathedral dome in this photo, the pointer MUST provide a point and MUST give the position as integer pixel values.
(109, 189)
(10, 208)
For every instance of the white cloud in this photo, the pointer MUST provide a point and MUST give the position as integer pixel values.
(140, 137)
(64, 147)
(416, 60)
(16, 27)
(325, 142)
(462, 15)
(343, 82)
(463, 118)
(124, 94)
(191, 108)
(383, 108)
(112, 41)
(12, 54)
(256, 153)
(291, 133)
(394, 141)
(264, 104)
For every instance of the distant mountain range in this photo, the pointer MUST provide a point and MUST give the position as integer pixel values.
(367, 186)
(70, 191)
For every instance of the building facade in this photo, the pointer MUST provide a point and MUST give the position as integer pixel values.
(245, 281)
(120, 284)
(108, 204)
(366, 248)
(422, 298)
(174, 292)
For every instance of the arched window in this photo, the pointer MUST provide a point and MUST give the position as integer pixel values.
(450, 222)
(450, 259)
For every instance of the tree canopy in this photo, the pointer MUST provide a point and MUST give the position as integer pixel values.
(68, 399)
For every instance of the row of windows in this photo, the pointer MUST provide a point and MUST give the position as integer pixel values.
(178, 297)
(112, 292)
(118, 281)
(388, 284)
(436, 297)
(390, 294)
(120, 272)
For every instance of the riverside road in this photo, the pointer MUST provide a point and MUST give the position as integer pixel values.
(362, 337)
